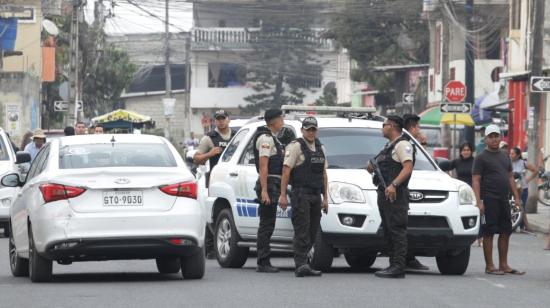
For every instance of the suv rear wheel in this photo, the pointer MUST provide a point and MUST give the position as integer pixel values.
(453, 263)
(40, 268)
(228, 253)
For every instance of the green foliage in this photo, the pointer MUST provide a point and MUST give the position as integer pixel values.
(382, 32)
(284, 61)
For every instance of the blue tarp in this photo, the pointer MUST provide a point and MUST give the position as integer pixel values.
(481, 116)
(8, 33)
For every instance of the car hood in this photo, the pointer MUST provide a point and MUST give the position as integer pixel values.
(6, 166)
(421, 180)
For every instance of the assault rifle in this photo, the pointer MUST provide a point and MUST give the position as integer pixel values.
(377, 178)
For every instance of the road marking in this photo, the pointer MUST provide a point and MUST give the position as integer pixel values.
(498, 285)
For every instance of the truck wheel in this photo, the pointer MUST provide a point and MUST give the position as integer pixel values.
(225, 242)
(360, 261)
(453, 263)
(321, 254)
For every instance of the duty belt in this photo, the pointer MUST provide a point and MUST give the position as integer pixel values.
(307, 190)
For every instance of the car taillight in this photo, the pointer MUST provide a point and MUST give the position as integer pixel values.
(55, 192)
(185, 189)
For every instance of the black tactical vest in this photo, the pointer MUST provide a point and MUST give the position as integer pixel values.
(218, 141)
(309, 174)
(390, 168)
(275, 164)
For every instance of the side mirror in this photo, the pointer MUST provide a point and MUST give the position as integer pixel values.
(22, 157)
(11, 180)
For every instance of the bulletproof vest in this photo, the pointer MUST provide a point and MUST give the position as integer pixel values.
(275, 164)
(218, 141)
(310, 173)
(390, 168)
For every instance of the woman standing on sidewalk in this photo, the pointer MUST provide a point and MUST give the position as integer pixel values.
(520, 167)
(464, 163)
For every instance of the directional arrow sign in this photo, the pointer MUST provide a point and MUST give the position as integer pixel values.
(408, 98)
(455, 108)
(540, 84)
(60, 106)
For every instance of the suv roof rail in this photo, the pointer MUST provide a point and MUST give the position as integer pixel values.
(366, 113)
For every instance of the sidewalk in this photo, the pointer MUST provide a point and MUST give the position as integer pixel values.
(539, 222)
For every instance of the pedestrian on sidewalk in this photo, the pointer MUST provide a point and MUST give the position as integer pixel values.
(520, 166)
(493, 180)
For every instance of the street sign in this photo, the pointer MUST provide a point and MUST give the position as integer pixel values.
(408, 98)
(455, 107)
(540, 84)
(455, 91)
(63, 106)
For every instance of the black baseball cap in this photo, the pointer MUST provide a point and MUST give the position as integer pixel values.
(221, 114)
(309, 122)
(271, 114)
(397, 120)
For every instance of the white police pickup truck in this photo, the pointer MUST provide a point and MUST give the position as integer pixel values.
(443, 219)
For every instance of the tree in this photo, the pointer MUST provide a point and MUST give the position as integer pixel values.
(381, 32)
(284, 62)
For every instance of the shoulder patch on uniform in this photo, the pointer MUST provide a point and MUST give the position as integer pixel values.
(266, 145)
(408, 149)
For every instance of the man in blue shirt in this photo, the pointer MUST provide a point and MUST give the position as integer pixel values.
(38, 141)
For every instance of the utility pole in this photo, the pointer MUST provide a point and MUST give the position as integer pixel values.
(167, 73)
(187, 86)
(74, 89)
(535, 99)
(469, 60)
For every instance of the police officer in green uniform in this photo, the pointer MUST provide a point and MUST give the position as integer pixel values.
(210, 149)
(305, 167)
(395, 164)
(268, 157)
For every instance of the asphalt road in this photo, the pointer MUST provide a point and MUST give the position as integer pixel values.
(137, 284)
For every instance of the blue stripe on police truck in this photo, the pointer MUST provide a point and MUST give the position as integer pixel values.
(249, 208)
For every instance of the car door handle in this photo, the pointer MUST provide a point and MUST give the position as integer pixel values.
(233, 174)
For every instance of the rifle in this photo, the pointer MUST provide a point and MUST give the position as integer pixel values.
(377, 174)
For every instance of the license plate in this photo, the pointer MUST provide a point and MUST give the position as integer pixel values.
(123, 198)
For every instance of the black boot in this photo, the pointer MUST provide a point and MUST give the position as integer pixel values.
(267, 268)
(305, 270)
(414, 264)
(391, 272)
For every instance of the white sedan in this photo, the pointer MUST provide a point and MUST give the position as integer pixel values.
(106, 197)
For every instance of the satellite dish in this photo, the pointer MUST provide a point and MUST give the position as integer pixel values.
(50, 27)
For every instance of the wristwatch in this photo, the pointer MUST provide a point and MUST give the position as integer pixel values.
(394, 184)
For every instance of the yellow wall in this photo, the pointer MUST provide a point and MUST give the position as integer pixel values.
(28, 41)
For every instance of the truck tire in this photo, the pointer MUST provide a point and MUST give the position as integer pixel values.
(228, 253)
(322, 253)
(360, 261)
(453, 263)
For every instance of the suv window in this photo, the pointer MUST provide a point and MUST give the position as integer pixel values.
(38, 163)
(352, 148)
(233, 145)
(4, 150)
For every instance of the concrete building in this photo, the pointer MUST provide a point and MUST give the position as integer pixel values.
(20, 75)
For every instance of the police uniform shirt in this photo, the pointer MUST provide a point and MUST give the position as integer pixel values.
(266, 146)
(294, 156)
(402, 152)
(206, 143)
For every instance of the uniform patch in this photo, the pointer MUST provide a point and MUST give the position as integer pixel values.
(266, 146)
(287, 153)
(408, 149)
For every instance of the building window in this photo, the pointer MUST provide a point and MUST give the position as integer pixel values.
(226, 75)
(311, 78)
(492, 46)
(516, 14)
(452, 73)
(431, 83)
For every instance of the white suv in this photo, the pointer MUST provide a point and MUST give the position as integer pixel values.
(443, 219)
(8, 161)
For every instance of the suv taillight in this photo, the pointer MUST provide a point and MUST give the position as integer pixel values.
(185, 189)
(55, 192)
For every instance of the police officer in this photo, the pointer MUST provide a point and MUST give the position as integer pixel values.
(305, 167)
(268, 157)
(395, 163)
(210, 149)
(411, 123)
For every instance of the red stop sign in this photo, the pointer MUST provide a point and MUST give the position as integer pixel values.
(455, 91)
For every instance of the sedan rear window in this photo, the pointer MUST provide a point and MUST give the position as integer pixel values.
(115, 155)
(352, 148)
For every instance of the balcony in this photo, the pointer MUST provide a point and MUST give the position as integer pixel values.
(216, 39)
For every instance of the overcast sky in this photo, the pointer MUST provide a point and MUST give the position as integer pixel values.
(130, 19)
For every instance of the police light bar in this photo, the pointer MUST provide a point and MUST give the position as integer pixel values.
(328, 109)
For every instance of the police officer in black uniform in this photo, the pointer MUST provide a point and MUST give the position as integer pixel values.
(305, 167)
(395, 165)
(268, 157)
(210, 149)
